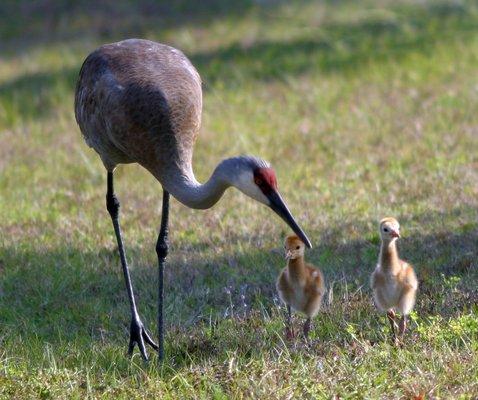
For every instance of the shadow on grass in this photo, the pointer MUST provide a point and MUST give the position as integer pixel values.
(35, 96)
(337, 47)
(27, 24)
(68, 295)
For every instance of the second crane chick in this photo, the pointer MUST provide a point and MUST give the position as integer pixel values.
(394, 283)
(300, 285)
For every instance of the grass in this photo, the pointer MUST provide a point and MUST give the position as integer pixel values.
(365, 110)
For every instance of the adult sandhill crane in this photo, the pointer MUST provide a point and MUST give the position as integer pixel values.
(141, 101)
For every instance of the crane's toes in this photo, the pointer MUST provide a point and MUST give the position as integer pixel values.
(139, 336)
(151, 342)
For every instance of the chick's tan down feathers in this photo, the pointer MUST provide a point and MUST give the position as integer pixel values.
(393, 282)
(300, 285)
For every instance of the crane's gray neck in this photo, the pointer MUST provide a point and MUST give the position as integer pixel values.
(182, 184)
(185, 188)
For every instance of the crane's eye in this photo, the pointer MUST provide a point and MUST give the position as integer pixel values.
(297, 248)
(258, 181)
(385, 229)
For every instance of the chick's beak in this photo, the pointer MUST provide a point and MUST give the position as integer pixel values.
(288, 254)
(279, 207)
(395, 234)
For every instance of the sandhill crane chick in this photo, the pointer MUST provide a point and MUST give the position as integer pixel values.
(300, 285)
(393, 282)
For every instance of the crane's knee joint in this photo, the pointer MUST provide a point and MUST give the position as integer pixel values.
(162, 249)
(112, 205)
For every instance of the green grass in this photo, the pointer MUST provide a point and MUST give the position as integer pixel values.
(365, 109)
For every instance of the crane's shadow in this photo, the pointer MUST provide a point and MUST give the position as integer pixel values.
(72, 295)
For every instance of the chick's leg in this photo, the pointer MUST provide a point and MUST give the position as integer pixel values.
(307, 324)
(393, 324)
(402, 326)
(289, 329)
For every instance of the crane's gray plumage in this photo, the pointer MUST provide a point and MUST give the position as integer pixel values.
(141, 101)
(137, 98)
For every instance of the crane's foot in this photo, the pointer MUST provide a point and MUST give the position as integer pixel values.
(138, 335)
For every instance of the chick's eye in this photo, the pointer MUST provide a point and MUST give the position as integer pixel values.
(297, 248)
(385, 229)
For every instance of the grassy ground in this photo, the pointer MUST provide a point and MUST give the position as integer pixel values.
(365, 109)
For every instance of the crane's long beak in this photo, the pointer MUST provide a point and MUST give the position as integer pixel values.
(279, 207)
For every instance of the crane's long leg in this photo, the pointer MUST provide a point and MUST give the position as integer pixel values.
(138, 334)
(162, 252)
